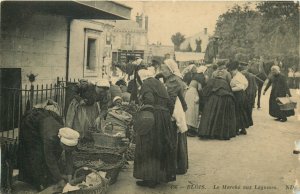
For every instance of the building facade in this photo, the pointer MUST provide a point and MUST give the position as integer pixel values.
(130, 39)
(53, 39)
(196, 43)
(90, 49)
(157, 52)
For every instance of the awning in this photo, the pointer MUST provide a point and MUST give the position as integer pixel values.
(73, 9)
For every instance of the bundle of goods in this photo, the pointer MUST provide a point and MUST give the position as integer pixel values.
(118, 119)
(106, 161)
(131, 108)
(92, 183)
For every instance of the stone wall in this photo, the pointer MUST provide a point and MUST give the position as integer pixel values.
(36, 43)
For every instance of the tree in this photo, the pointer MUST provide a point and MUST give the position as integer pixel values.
(189, 48)
(211, 51)
(281, 29)
(271, 31)
(237, 31)
(177, 39)
(198, 45)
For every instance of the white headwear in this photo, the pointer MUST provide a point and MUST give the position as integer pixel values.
(188, 69)
(138, 61)
(146, 73)
(201, 69)
(275, 67)
(173, 67)
(103, 83)
(49, 105)
(68, 136)
(117, 98)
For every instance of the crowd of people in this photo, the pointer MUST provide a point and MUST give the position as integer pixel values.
(209, 102)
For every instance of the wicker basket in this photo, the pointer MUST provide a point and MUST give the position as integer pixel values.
(286, 103)
(106, 140)
(98, 189)
(112, 162)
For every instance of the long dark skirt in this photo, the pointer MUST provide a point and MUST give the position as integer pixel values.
(274, 109)
(242, 109)
(218, 119)
(155, 152)
(182, 153)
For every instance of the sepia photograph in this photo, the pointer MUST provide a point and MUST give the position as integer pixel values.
(149, 97)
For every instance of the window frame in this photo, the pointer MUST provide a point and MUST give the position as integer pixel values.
(96, 35)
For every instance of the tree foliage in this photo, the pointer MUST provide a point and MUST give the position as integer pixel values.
(189, 48)
(198, 45)
(271, 30)
(177, 39)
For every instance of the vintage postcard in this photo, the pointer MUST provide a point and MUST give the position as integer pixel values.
(125, 97)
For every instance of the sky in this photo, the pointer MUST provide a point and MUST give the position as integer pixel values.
(188, 17)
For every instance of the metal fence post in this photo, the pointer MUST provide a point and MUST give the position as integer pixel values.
(31, 96)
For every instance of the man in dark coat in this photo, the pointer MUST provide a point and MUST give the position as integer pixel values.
(279, 89)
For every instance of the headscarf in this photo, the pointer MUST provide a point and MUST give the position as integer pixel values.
(276, 67)
(188, 69)
(103, 83)
(137, 61)
(172, 65)
(201, 69)
(146, 73)
(194, 84)
(117, 98)
(49, 105)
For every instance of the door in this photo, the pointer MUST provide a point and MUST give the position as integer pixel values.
(10, 86)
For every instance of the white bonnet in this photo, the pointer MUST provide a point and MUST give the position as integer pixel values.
(68, 136)
(103, 83)
(172, 65)
(146, 73)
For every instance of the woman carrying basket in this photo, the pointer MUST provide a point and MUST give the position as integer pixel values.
(279, 89)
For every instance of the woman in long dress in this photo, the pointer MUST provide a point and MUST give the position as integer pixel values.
(279, 89)
(84, 110)
(175, 88)
(192, 113)
(155, 153)
(218, 111)
(239, 84)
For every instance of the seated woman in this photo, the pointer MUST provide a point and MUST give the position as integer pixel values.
(40, 149)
